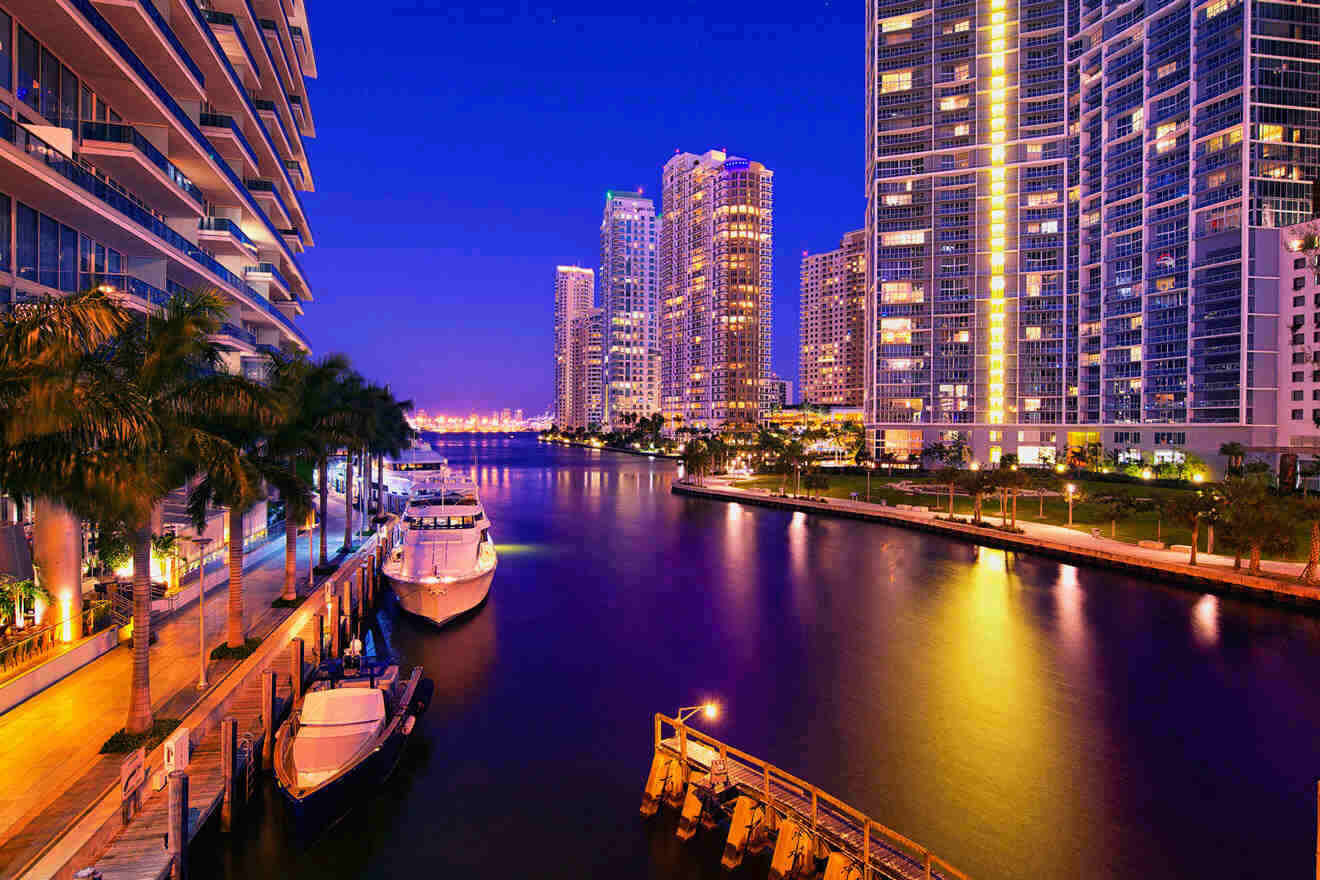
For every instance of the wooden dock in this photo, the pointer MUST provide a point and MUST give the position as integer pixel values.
(808, 829)
(140, 851)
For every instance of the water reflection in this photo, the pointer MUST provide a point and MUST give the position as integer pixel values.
(1205, 620)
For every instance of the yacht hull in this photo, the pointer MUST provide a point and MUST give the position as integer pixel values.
(441, 603)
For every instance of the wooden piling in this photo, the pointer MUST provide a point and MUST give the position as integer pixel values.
(319, 630)
(336, 629)
(176, 837)
(267, 717)
(228, 770)
(348, 601)
(296, 656)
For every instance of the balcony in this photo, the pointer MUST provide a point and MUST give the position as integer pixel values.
(293, 238)
(232, 333)
(143, 293)
(223, 235)
(269, 273)
(123, 153)
(270, 198)
(225, 135)
(226, 30)
(140, 23)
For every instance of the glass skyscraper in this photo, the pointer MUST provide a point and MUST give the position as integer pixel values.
(1066, 203)
(628, 296)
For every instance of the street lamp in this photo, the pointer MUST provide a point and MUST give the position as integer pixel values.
(200, 543)
(1071, 489)
(710, 709)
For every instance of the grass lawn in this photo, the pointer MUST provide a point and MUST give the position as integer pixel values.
(1086, 515)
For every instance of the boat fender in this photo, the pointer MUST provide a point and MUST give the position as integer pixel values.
(421, 700)
(408, 724)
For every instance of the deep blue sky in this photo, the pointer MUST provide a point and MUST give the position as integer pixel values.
(462, 152)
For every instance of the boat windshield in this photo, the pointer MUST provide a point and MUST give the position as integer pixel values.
(440, 522)
(449, 496)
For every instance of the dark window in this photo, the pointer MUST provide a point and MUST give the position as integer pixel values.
(48, 251)
(50, 86)
(29, 72)
(5, 223)
(68, 259)
(68, 100)
(1299, 282)
(26, 254)
(6, 50)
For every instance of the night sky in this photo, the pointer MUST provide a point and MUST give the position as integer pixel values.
(463, 151)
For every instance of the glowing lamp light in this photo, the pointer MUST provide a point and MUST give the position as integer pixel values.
(1198, 478)
(1059, 468)
(975, 466)
(1146, 474)
(66, 613)
(712, 711)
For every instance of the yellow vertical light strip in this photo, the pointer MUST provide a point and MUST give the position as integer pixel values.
(998, 213)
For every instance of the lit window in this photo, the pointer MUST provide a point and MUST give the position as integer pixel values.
(896, 82)
(1271, 132)
(898, 239)
(1033, 333)
(962, 129)
(953, 102)
(1216, 8)
(962, 72)
(899, 199)
(895, 24)
(1166, 69)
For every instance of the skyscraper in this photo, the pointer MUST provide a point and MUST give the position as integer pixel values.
(575, 290)
(1063, 217)
(149, 153)
(715, 286)
(832, 335)
(628, 296)
(587, 368)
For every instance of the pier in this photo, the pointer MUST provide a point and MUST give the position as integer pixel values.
(140, 825)
(808, 831)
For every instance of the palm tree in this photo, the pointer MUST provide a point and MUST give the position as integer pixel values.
(1042, 481)
(1189, 509)
(1234, 452)
(976, 484)
(1308, 508)
(1118, 507)
(948, 476)
(696, 459)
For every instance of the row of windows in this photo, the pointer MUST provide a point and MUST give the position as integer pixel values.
(50, 253)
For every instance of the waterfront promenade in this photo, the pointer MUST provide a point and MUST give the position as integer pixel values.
(52, 741)
(1211, 569)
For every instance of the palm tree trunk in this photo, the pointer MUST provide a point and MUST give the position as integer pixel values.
(290, 555)
(57, 552)
(1040, 496)
(139, 704)
(380, 484)
(1209, 537)
(1015, 510)
(1196, 536)
(348, 500)
(324, 492)
(234, 622)
(1113, 528)
(1312, 571)
(1254, 567)
(951, 499)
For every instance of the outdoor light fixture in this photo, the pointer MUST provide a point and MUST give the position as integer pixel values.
(710, 709)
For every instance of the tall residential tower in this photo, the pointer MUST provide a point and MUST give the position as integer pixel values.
(1065, 205)
(628, 297)
(831, 332)
(575, 292)
(715, 288)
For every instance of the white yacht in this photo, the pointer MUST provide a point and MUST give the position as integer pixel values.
(445, 559)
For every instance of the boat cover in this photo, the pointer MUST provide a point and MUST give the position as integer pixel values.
(335, 724)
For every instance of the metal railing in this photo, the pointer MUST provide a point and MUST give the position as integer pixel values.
(826, 816)
(34, 645)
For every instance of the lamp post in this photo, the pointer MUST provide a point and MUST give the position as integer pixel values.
(200, 543)
(710, 709)
(311, 559)
(1071, 490)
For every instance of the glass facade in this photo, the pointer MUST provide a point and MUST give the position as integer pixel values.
(628, 295)
(1065, 204)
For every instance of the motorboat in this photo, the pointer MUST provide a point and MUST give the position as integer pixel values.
(443, 562)
(344, 738)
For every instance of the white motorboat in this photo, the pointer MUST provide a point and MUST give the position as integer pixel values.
(444, 561)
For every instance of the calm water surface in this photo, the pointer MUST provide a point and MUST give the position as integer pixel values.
(1020, 717)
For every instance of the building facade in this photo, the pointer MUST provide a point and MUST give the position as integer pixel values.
(149, 148)
(575, 293)
(1068, 212)
(781, 393)
(629, 284)
(831, 330)
(587, 367)
(716, 279)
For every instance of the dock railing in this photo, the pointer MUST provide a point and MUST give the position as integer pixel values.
(876, 846)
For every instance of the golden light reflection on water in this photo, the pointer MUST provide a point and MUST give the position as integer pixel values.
(1205, 620)
(1068, 599)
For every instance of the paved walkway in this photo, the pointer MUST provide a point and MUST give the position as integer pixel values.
(1058, 534)
(51, 742)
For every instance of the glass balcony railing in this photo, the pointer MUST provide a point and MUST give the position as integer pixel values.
(269, 269)
(224, 18)
(237, 332)
(127, 134)
(258, 301)
(112, 38)
(154, 14)
(126, 284)
(99, 189)
(219, 120)
(268, 187)
(224, 224)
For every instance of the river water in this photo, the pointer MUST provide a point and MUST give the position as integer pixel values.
(1020, 717)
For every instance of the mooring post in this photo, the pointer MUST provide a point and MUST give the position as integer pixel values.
(348, 601)
(318, 625)
(267, 716)
(228, 770)
(866, 851)
(815, 809)
(336, 628)
(927, 854)
(296, 656)
(176, 837)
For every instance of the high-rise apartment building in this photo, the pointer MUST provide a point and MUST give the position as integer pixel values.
(629, 281)
(575, 293)
(156, 146)
(715, 289)
(831, 330)
(587, 367)
(1067, 206)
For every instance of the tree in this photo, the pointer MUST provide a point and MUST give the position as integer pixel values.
(1308, 509)
(1041, 482)
(1190, 509)
(696, 460)
(1118, 507)
(948, 477)
(1234, 452)
(976, 484)
(1260, 526)
(1011, 482)
(888, 459)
